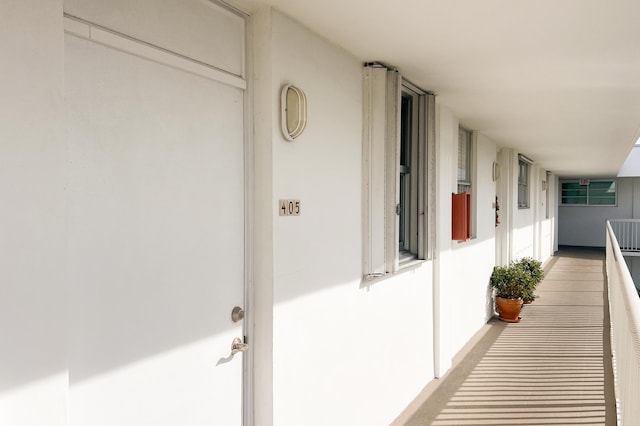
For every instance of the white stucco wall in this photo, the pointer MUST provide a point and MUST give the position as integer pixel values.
(338, 345)
(463, 289)
(33, 374)
(446, 167)
(585, 225)
(546, 215)
(260, 309)
(543, 218)
(530, 231)
(328, 349)
(524, 218)
(505, 193)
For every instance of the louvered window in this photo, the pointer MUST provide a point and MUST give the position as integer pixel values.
(589, 192)
(523, 182)
(464, 160)
(399, 130)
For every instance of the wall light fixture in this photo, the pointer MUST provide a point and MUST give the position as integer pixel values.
(293, 103)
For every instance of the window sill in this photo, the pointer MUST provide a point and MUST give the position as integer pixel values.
(408, 260)
(473, 237)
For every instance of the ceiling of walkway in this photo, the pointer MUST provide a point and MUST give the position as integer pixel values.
(558, 80)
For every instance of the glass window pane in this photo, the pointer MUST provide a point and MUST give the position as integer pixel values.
(464, 153)
(574, 193)
(523, 181)
(596, 193)
(602, 193)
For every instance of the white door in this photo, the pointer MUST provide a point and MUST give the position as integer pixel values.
(156, 245)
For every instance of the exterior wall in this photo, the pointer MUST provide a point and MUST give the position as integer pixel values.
(322, 314)
(547, 240)
(33, 375)
(543, 215)
(525, 232)
(468, 286)
(446, 169)
(585, 225)
(524, 218)
(335, 340)
(506, 193)
(260, 308)
(322, 336)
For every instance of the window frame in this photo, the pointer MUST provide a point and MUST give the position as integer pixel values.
(524, 189)
(613, 181)
(466, 185)
(409, 175)
(547, 213)
(407, 223)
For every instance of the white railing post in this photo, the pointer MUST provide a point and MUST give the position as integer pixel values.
(627, 233)
(624, 308)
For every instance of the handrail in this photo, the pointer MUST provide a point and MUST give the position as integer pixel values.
(624, 308)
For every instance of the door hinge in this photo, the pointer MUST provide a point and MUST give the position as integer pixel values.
(398, 209)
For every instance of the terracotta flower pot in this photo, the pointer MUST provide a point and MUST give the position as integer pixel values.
(509, 309)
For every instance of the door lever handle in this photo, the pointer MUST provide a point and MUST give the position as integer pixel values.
(238, 346)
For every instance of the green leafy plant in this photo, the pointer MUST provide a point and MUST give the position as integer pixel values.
(511, 282)
(534, 269)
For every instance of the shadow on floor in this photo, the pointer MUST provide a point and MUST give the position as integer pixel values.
(553, 368)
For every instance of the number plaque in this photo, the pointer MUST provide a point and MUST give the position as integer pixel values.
(289, 208)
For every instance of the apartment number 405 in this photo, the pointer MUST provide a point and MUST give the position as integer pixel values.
(289, 208)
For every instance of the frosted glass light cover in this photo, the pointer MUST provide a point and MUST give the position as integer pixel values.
(294, 111)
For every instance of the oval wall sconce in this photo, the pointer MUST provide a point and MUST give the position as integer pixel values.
(293, 103)
(496, 171)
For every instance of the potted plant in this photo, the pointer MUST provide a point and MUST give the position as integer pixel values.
(511, 284)
(534, 269)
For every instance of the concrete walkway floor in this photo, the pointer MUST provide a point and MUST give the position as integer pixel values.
(552, 368)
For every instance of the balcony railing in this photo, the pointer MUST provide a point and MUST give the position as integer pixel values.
(627, 232)
(624, 307)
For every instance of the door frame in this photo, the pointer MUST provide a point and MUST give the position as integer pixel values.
(104, 36)
(249, 196)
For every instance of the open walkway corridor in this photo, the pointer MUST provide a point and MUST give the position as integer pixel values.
(552, 368)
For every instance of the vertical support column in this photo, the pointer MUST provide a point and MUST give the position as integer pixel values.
(264, 210)
(446, 160)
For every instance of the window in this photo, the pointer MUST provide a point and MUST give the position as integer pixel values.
(546, 194)
(399, 130)
(465, 180)
(523, 183)
(589, 192)
(408, 153)
(464, 160)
